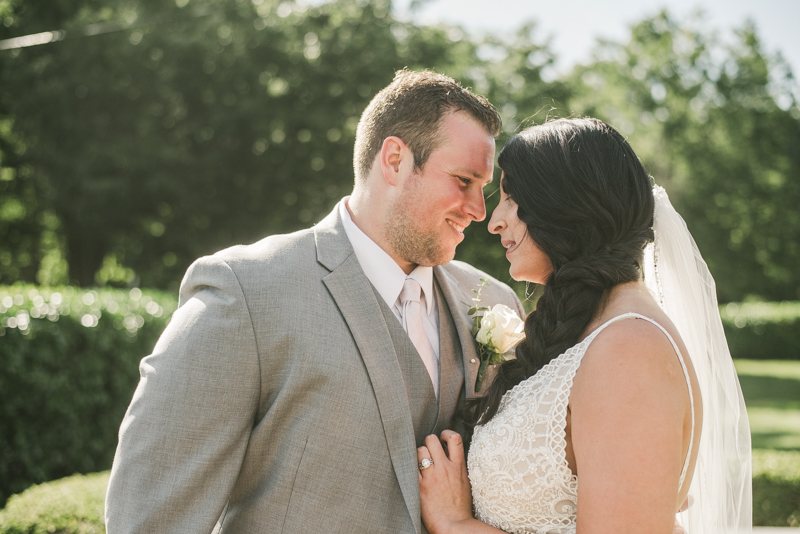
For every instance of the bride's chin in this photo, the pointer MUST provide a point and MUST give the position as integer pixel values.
(524, 276)
(517, 276)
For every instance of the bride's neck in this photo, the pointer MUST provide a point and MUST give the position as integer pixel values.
(628, 290)
(622, 298)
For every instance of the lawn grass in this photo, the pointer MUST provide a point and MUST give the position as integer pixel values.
(771, 391)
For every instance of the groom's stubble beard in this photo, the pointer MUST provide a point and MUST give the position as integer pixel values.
(409, 239)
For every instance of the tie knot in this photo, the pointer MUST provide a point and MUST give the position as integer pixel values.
(411, 291)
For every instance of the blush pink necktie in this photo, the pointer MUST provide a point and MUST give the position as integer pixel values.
(412, 323)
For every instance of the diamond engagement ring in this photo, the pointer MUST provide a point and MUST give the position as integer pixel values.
(425, 463)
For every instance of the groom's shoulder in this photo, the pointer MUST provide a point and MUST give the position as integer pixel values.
(275, 248)
(464, 273)
(468, 278)
(279, 255)
(286, 253)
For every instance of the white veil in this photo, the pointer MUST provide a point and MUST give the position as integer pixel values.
(680, 280)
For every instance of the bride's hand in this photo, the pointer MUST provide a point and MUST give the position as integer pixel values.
(444, 487)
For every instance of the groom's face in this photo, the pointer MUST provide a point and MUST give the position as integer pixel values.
(427, 221)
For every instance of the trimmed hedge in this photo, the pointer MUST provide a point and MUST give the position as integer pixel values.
(776, 488)
(762, 330)
(69, 364)
(73, 505)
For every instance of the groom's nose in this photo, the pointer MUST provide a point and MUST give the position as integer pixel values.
(476, 205)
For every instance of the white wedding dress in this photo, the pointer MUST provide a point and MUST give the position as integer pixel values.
(521, 482)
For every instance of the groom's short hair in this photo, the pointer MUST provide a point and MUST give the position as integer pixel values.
(411, 108)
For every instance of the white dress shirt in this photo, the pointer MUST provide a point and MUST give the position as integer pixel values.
(388, 278)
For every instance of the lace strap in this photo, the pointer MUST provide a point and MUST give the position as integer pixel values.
(599, 329)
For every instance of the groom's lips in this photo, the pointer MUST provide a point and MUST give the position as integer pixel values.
(458, 228)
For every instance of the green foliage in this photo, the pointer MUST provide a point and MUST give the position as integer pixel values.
(204, 123)
(776, 488)
(23, 223)
(762, 330)
(70, 366)
(72, 505)
(169, 141)
(719, 127)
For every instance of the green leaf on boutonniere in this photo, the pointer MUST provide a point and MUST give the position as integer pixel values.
(481, 374)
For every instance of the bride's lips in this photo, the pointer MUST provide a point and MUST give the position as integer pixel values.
(458, 228)
(509, 245)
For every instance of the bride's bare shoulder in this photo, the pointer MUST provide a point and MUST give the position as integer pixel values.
(632, 355)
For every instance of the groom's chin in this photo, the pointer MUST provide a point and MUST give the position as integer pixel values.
(445, 258)
(440, 258)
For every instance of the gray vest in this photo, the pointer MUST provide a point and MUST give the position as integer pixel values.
(428, 415)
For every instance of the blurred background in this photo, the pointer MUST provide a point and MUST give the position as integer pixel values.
(138, 135)
(153, 132)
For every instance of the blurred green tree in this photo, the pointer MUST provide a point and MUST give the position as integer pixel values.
(719, 126)
(204, 123)
(19, 210)
(218, 123)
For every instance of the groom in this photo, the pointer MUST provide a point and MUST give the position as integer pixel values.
(292, 386)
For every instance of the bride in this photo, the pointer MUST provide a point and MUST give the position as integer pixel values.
(622, 407)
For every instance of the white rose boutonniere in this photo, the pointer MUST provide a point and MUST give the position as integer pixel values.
(501, 329)
(498, 330)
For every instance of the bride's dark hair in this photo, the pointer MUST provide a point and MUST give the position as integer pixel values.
(588, 205)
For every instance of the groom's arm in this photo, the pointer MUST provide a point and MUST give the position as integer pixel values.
(185, 433)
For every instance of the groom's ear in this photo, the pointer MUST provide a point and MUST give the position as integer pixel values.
(394, 156)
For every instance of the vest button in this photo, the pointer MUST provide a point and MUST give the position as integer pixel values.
(472, 360)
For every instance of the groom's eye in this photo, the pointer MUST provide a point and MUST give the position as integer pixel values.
(465, 181)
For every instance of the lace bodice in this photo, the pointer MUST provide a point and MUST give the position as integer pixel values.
(521, 481)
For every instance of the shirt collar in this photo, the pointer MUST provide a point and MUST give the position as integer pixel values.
(381, 270)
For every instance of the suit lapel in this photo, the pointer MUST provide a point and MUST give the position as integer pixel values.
(451, 377)
(459, 305)
(353, 294)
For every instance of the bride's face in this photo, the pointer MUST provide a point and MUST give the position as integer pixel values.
(528, 262)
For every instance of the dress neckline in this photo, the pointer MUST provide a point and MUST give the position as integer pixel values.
(587, 341)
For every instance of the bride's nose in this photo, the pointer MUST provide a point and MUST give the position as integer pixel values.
(497, 223)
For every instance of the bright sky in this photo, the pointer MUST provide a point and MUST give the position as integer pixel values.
(574, 25)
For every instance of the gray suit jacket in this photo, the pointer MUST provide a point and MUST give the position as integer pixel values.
(274, 400)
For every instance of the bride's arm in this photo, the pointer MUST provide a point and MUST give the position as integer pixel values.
(445, 494)
(629, 405)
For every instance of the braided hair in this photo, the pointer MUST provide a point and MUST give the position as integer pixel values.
(588, 204)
